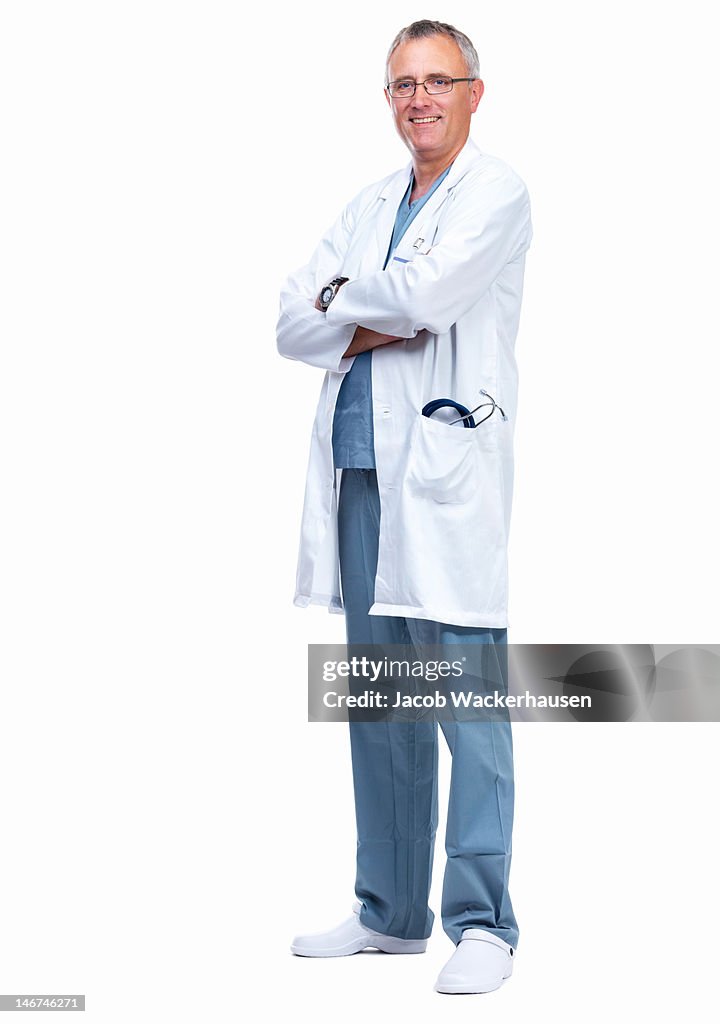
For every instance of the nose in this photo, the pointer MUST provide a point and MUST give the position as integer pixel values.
(421, 98)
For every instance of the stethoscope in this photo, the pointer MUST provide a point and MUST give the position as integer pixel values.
(466, 415)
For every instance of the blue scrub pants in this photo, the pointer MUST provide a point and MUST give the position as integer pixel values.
(395, 771)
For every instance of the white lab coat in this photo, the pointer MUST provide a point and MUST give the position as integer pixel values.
(445, 491)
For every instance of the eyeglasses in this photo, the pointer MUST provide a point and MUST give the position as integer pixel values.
(404, 88)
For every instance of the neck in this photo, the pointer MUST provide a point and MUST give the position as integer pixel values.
(427, 171)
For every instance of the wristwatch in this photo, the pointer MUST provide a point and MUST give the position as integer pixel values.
(329, 292)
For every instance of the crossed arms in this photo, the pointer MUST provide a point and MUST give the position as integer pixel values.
(486, 226)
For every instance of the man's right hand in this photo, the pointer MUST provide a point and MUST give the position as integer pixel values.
(364, 339)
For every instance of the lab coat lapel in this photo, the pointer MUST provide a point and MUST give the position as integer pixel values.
(373, 240)
(390, 199)
(418, 234)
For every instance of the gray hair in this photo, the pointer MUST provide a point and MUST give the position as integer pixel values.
(424, 29)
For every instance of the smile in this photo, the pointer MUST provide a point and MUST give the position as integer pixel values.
(424, 120)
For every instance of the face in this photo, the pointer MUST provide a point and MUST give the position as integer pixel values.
(434, 128)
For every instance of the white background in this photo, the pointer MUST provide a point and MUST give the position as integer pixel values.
(168, 818)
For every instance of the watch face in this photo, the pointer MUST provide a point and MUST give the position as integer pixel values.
(326, 294)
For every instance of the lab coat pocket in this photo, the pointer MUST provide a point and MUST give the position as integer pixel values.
(442, 462)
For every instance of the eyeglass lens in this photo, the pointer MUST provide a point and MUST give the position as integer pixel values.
(433, 86)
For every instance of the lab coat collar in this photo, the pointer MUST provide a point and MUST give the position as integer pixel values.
(398, 183)
(395, 189)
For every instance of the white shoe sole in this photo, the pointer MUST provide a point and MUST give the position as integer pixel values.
(460, 989)
(385, 943)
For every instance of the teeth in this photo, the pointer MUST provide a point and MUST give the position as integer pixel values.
(423, 120)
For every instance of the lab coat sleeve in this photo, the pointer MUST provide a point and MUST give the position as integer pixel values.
(486, 227)
(303, 332)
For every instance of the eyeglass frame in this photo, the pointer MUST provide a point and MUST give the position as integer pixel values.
(415, 84)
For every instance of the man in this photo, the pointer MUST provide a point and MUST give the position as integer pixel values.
(412, 296)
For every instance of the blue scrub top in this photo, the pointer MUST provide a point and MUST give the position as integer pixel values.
(353, 437)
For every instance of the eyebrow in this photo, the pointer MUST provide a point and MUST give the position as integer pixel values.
(432, 74)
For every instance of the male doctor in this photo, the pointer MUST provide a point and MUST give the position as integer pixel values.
(414, 295)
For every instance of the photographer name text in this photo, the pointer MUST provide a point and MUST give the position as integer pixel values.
(460, 699)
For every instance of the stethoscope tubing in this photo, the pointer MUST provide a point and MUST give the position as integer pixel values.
(466, 415)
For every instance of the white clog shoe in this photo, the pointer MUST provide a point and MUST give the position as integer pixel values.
(351, 937)
(481, 963)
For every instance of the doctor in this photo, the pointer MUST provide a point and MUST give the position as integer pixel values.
(413, 295)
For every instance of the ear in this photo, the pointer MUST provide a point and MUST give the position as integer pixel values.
(386, 94)
(477, 88)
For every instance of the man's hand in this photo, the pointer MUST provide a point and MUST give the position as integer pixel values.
(364, 339)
